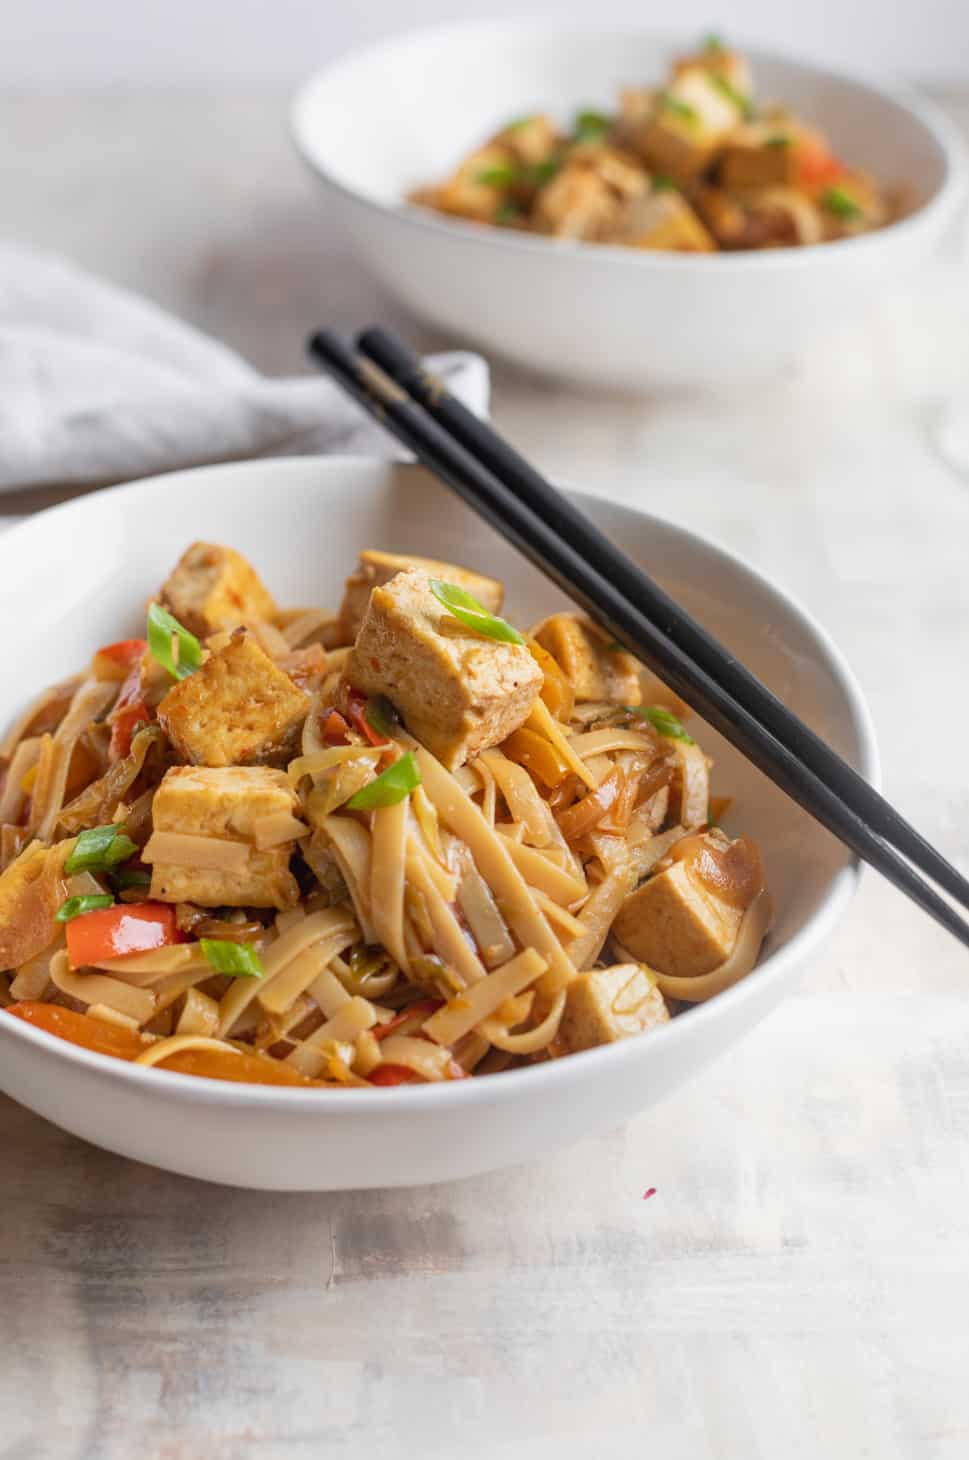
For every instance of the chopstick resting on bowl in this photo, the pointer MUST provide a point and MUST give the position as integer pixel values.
(497, 483)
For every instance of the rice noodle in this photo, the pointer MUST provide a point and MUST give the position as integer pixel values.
(107, 1015)
(530, 1040)
(558, 914)
(91, 698)
(296, 958)
(97, 803)
(603, 742)
(269, 638)
(493, 858)
(388, 842)
(539, 870)
(543, 722)
(199, 1016)
(328, 992)
(482, 916)
(324, 760)
(521, 795)
(276, 829)
(13, 795)
(163, 1049)
(97, 988)
(56, 694)
(450, 943)
(141, 970)
(307, 622)
(600, 910)
(418, 1055)
(467, 1009)
(186, 850)
(350, 844)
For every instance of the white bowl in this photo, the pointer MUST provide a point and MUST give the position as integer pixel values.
(78, 575)
(378, 123)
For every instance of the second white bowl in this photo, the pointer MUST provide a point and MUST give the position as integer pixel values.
(378, 123)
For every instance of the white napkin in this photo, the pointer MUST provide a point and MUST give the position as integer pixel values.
(98, 386)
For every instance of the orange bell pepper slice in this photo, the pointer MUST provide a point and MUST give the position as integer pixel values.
(128, 927)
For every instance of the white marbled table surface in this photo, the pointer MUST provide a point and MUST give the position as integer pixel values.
(799, 1284)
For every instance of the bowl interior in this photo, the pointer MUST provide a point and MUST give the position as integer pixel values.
(302, 523)
(402, 114)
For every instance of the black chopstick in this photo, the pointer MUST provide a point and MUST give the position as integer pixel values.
(484, 442)
(582, 581)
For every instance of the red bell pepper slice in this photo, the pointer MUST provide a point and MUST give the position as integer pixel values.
(128, 927)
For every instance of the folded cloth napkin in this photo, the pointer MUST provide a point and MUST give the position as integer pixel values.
(99, 386)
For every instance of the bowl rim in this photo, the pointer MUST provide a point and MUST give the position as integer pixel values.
(939, 205)
(512, 1084)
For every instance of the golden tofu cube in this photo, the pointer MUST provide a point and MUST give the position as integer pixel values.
(479, 186)
(677, 922)
(577, 203)
(530, 140)
(225, 804)
(692, 122)
(31, 891)
(213, 588)
(607, 1004)
(239, 707)
(583, 652)
(457, 692)
(376, 568)
(665, 221)
(759, 156)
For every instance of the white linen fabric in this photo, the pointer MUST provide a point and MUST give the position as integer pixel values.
(100, 386)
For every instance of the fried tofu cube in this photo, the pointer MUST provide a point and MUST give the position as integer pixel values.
(31, 890)
(760, 155)
(239, 707)
(595, 670)
(692, 122)
(457, 692)
(677, 922)
(479, 186)
(607, 1004)
(530, 140)
(225, 804)
(664, 221)
(729, 66)
(376, 568)
(213, 588)
(577, 203)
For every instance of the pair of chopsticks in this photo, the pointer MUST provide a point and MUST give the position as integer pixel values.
(392, 385)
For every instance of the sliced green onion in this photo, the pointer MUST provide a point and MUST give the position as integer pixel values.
(126, 877)
(779, 139)
(498, 177)
(517, 122)
(542, 172)
(164, 631)
(590, 124)
(508, 214)
(840, 202)
(381, 716)
(680, 108)
(74, 907)
(664, 722)
(238, 960)
(99, 848)
(466, 608)
(726, 88)
(663, 184)
(713, 42)
(391, 786)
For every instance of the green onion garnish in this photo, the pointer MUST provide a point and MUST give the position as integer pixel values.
(163, 632)
(589, 125)
(74, 907)
(726, 88)
(840, 202)
(779, 139)
(466, 608)
(664, 722)
(517, 122)
(508, 214)
(663, 184)
(391, 786)
(381, 716)
(542, 172)
(99, 848)
(498, 177)
(680, 108)
(126, 877)
(238, 960)
(713, 42)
